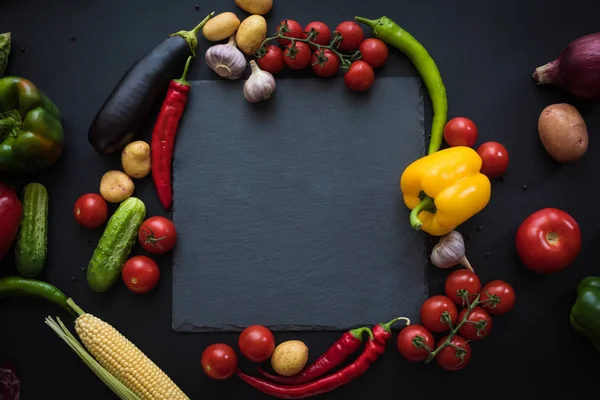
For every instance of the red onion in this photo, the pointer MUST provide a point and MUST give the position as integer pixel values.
(577, 68)
(9, 383)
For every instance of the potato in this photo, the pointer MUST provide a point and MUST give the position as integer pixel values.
(135, 159)
(260, 7)
(563, 132)
(221, 27)
(251, 33)
(116, 186)
(289, 357)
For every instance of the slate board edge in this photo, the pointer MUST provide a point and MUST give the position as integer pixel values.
(191, 328)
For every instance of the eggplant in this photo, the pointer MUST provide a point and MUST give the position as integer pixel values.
(132, 99)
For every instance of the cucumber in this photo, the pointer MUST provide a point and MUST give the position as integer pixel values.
(115, 244)
(32, 242)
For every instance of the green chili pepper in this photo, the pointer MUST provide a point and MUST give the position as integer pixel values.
(5, 44)
(388, 31)
(31, 133)
(16, 286)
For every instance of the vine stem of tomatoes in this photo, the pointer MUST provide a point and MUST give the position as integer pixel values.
(460, 352)
(345, 59)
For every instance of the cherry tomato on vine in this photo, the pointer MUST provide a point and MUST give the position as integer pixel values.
(374, 52)
(323, 32)
(292, 29)
(360, 76)
(140, 274)
(548, 241)
(462, 279)
(157, 235)
(272, 61)
(352, 33)
(257, 343)
(478, 325)
(219, 361)
(495, 159)
(409, 337)
(460, 131)
(500, 291)
(329, 66)
(452, 359)
(297, 57)
(90, 210)
(434, 310)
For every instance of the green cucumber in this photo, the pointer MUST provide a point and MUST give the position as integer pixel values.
(32, 242)
(115, 244)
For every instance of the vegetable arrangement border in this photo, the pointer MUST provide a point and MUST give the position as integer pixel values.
(442, 190)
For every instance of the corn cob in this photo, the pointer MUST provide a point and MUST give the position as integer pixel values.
(122, 366)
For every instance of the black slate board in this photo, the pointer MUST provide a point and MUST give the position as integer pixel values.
(289, 212)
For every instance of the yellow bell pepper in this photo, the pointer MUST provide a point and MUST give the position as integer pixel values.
(445, 189)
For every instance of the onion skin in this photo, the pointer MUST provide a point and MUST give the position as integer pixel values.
(577, 68)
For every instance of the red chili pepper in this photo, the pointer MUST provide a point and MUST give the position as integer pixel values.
(163, 136)
(373, 349)
(334, 356)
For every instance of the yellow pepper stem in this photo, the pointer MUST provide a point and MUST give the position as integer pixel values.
(425, 204)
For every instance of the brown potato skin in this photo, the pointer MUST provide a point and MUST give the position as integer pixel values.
(251, 33)
(563, 132)
(260, 7)
(116, 186)
(136, 160)
(221, 27)
(289, 358)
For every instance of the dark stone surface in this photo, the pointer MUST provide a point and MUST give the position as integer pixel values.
(293, 205)
(486, 51)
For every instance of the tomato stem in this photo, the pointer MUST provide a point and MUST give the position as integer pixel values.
(453, 332)
(345, 59)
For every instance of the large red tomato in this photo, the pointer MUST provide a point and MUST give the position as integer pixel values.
(11, 211)
(157, 235)
(548, 240)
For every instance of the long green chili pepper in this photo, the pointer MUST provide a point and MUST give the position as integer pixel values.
(388, 31)
(16, 286)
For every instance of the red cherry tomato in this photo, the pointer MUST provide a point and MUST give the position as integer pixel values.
(360, 76)
(500, 291)
(297, 57)
(548, 241)
(140, 274)
(494, 157)
(434, 310)
(219, 361)
(90, 210)
(257, 343)
(409, 337)
(329, 66)
(291, 29)
(323, 32)
(272, 61)
(460, 132)
(459, 280)
(452, 359)
(478, 325)
(352, 34)
(374, 52)
(157, 235)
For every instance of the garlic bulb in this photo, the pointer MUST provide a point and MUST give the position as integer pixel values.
(450, 251)
(226, 60)
(260, 85)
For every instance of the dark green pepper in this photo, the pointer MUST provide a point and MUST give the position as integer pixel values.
(31, 134)
(585, 313)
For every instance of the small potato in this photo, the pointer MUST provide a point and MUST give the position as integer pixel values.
(116, 186)
(135, 159)
(221, 27)
(563, 132)
(260, 7)
(251, 33)
(289, 357)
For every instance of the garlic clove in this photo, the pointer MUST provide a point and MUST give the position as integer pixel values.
(226, 60)
(450, 251)
(260, 85)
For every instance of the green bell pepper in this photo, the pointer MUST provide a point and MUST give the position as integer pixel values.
(585, 313)
(31, 133)
(5, 44)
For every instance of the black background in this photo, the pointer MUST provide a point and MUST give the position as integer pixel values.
(486, 51)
